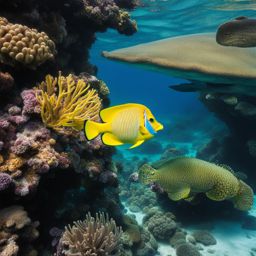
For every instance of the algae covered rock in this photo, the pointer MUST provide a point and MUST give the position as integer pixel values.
(187, 249)
(161, 225)
(204, 237)
(177, 239)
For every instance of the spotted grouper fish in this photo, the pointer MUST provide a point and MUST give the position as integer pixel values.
(184, 177)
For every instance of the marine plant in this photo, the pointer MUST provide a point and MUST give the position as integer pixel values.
(93, 237)
(67, 102)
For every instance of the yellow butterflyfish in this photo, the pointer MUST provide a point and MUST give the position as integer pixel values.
(124, 124)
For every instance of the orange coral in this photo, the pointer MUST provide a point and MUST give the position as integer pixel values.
(12, 164)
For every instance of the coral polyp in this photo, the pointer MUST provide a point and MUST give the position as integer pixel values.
(67, 102)
(93, 236)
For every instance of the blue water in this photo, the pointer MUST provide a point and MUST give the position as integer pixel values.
(157, 20)
(188, 124)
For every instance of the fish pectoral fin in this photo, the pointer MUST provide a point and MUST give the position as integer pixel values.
(179, 194)
(216, 195)
(190, 198)
(138, 143)
(110, 140)
(143, 130)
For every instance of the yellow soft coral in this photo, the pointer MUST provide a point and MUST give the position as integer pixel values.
(184, 177)
(67, 102)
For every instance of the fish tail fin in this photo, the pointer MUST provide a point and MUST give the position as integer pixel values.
(147, 174)
(92, 129)
(244, 199)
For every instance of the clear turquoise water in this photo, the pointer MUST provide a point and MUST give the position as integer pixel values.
(188, 124)
(157, 20)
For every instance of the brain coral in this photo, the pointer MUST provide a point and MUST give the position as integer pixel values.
(187, 249)
(19, 43)
(204, 237)
(161, 225)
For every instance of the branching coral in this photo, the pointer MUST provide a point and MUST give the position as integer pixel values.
(93, 237)
(70, 104)
(22, 44)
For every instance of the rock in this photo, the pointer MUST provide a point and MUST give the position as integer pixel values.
(204, 237)
(191, 239)
(177, 239)
(211, 251)
(246, 109)
(187, 250)
(134, 208)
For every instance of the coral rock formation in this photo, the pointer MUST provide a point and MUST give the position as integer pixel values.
(17, 231)
(107, 12)
(93, 236)
(19, 43)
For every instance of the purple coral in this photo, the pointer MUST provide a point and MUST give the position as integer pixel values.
(31, 105)
(107, 13)
(5, 181)
(22, 144)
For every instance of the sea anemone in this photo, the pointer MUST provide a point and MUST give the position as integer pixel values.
(92, 237)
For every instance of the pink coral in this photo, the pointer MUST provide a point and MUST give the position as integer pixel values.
(5, 181)
(31, 105)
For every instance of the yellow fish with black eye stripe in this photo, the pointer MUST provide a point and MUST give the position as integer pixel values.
(124, 124)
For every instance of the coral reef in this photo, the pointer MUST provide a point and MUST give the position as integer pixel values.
(39, 164)
(204, 237)
(107, 12)
(178, 238)
(161, 225)
(93, 236)
(237, 148)
(17, 231)
(70, 104)
(69, 26)
(187, 250)
(19, 43)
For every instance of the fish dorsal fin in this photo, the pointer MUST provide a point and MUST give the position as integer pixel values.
(107, 114)
(181, 193)
(241, 18)
(224, 166)
(110, 140)
(164, 162)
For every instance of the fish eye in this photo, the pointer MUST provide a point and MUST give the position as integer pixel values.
(151, 120)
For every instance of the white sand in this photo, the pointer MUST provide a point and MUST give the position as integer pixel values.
(232, 239)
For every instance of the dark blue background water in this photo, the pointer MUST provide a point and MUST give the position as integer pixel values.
(157, 20)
